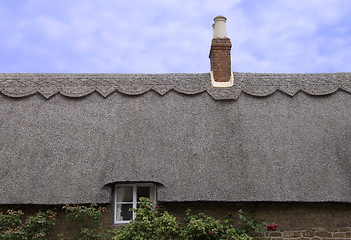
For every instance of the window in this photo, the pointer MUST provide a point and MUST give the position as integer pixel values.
(127, 197)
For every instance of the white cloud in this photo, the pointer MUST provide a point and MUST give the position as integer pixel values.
(175, 35)
(222, 7)
(282, 35)
(53, 28)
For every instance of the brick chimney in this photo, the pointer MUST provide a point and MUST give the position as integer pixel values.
(221, 72)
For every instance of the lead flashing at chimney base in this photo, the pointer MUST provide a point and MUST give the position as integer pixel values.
(221, 73)
(230, 83)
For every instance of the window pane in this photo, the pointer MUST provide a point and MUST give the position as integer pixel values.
(143, 192)
(123, 213)
(124, 194)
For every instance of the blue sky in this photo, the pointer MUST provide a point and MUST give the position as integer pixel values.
(166, 36)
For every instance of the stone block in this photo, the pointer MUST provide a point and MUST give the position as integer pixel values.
(308, 233)
(323, 234)
(339, 235)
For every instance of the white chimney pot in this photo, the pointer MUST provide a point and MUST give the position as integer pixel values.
(219, 30)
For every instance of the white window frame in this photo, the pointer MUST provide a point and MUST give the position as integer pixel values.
(135, 200)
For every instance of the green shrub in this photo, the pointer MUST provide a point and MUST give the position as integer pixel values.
(200, 226)
(248, 224)
(34, 227)
(87, 219)
(150, 224)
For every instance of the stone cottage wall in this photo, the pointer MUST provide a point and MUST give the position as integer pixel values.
(296, 220)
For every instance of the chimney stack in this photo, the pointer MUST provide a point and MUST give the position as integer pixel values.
(221, 72)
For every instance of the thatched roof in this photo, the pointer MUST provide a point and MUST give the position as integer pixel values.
(64, 138)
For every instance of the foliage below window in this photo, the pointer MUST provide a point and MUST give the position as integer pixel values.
(150, 223)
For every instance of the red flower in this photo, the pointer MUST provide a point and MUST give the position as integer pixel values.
(230, 214)
(272, 227)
